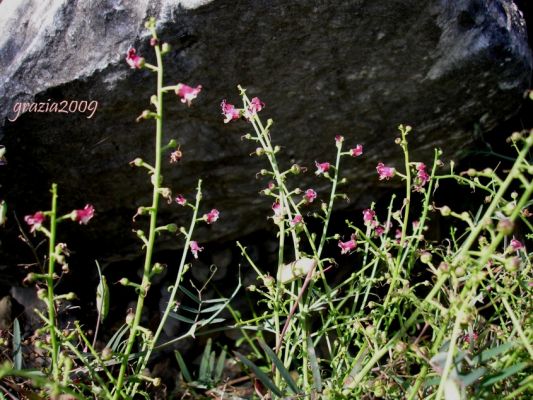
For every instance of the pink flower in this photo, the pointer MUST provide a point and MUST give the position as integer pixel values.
(195, 248)
(255, 106)
(175, 156)
(229, 111)
(212, 216)
(309, 195)
(368, 216)
(276, 207)
(181, 200)
(356, 151)
(422, 176)
(470, 337)
(133, 60)
(298, 219)
(321, 168)
(516, 245)
(348, 246)
(35, 221)
(187, 93)
(339, 139)
(379, 230)
(385, 172)
(83, 216)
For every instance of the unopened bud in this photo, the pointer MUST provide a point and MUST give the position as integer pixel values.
(129, 318)
(259, 151)
(296, 169)
(124, 281)
(165, 48)
(172, 228)
(107, 353)
(137, 162)
(505, 226)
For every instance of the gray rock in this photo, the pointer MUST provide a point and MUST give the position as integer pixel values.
(351, 67)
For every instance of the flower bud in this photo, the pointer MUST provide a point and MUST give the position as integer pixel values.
(137, 162)
(425, 257)
(124, 281)
(165, 48)
(107, 353)
(41, 294)
(259, 151)
(505, 226)
(296, 169)
(172, 228)
(471, 172)
(129, 318)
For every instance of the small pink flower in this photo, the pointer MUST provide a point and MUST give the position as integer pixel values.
(181, 200)
(385, 172)
(187, 93)
(379, 230)
(212, 216)
(276, 207)
(133, 60)
(422, 176)
(35, 221)
(516, 245)
(416, 223)
(309, 195)
(339, 139)
(229, 111)
(195, 248)
(368, 216)
(255, 106)
(83, 216)
(321, 168)
(470, 337)
(356, 151)
(298, 219)
(348, 246)
(175, 156)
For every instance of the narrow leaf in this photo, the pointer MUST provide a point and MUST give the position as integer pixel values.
(315, 368)
(486, 355)
(473, 376)
(281, 368)
(259, 374)
(117, 337)
(183, 367)
(204, 374)
(507, 372)
(17, 349)
(220, 365)
(189, 294)
(181, 318)
(102, 298)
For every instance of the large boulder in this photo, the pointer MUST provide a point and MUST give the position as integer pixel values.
(352, 67)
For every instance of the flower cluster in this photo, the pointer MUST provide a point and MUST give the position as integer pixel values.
(83, 216)
(231, 113)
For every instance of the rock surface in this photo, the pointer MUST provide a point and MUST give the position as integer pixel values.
(351, 67)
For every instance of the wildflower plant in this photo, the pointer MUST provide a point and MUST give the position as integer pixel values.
(118, 370)
(407, 320)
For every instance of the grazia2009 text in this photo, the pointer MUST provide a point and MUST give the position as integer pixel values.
(64, 107)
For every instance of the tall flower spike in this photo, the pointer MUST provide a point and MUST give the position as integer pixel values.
(187, 93)
(133, 60)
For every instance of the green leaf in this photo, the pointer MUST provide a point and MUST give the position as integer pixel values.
(220, 365)
(181, 318)
(281, 368)
(315, 368)
(189, 294)
(183, 367)
(259, 374)
(114, 342)
(505, 373)
(486, 355)
(102, 295)
(204, 373)
(473, 376)
(17, 349)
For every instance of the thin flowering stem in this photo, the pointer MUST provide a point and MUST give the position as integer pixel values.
(171, 301)
(50, 285)
(156, 181)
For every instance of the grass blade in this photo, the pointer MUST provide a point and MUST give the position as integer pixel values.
(315, 368)
(17, 341)
(281, 368)
(204, 375)
(183, 367)
(265, 380)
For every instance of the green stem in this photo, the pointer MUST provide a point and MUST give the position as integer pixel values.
(156, 181)
(50, 285)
